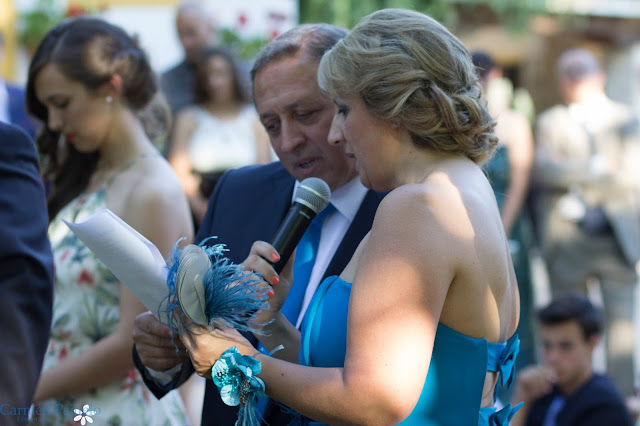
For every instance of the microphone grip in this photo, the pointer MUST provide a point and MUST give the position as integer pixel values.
(290, 232)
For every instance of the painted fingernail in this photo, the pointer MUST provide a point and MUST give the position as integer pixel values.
(270, 293)
(275, 257)
(275, 280)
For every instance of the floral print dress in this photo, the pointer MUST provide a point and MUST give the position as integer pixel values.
(86, 309)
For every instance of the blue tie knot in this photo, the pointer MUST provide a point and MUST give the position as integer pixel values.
(320, 217)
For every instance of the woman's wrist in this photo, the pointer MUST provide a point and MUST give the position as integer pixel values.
(269, 327)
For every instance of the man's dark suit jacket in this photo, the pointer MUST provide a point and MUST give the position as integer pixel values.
(595, 403)
(249, 204)
(18, 111)
(26, 270)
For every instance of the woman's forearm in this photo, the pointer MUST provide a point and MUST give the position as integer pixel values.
(323, 394)
(281, 332)
(107, 360)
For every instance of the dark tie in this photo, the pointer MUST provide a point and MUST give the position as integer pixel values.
(303, 265)
(557, 404)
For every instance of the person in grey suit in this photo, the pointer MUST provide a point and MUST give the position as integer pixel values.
(248, 204)
(26, 274)
(586, 171)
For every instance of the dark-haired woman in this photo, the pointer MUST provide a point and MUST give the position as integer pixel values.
(220, 132)
(88, 83)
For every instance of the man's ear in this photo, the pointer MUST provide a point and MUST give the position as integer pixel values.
(593, 341)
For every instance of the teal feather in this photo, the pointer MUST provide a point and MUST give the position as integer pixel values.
(233, 297)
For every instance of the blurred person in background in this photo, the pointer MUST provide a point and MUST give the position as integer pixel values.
(588, 202)
(508, 172)
(195, 30)
(565, 391)
(12, 102)
(87, 83)
(220, 132)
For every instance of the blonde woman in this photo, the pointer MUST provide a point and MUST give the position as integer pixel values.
(419, 327)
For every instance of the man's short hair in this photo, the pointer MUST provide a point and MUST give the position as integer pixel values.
(314, 39)
(483, 62)
(572, 306)
(576, 64)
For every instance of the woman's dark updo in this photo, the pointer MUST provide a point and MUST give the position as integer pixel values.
(89, 51)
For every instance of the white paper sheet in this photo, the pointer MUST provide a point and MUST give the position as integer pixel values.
(132, 258)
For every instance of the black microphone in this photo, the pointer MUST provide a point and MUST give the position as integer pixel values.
(311, 197)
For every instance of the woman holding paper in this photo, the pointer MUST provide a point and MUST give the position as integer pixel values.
(90, 85)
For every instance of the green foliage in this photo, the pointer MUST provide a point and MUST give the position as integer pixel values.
(34, 24)
(346, 13)
(245, 47)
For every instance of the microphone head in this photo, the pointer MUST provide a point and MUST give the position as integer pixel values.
(314, 193)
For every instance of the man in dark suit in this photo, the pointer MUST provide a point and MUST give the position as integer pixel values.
(12, 102)
(26, 274)
(249, 204)
(195, 31)
(566, 390)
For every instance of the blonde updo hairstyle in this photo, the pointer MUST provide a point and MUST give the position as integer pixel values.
(406, 66)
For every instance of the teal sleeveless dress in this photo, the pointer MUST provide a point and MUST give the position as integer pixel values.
(453, 388)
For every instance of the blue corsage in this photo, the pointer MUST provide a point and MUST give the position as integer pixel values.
(235, 376)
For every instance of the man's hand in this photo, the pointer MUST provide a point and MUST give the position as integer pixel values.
(154, 344)
(532, 383)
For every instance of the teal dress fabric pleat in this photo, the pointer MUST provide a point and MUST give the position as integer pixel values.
(453, 388)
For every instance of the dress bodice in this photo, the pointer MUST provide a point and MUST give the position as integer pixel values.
(217, 145)
(452, 392)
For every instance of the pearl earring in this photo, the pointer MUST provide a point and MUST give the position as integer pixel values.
(108, 99)
(394, 125)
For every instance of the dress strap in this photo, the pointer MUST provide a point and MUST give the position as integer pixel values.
(128, 166)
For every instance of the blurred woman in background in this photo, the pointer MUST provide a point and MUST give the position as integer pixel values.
(220, 132)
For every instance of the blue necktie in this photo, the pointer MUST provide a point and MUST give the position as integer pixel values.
(557, 404)
(303, 265)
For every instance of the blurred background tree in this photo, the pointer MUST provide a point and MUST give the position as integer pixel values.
(246, 47)
(34, 23)
(515, 13)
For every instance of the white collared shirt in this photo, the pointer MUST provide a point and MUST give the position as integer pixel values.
(347, 200)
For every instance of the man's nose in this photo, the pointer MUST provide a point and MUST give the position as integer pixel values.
(291, 136)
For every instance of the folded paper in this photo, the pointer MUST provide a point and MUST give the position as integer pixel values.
(132, 258)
